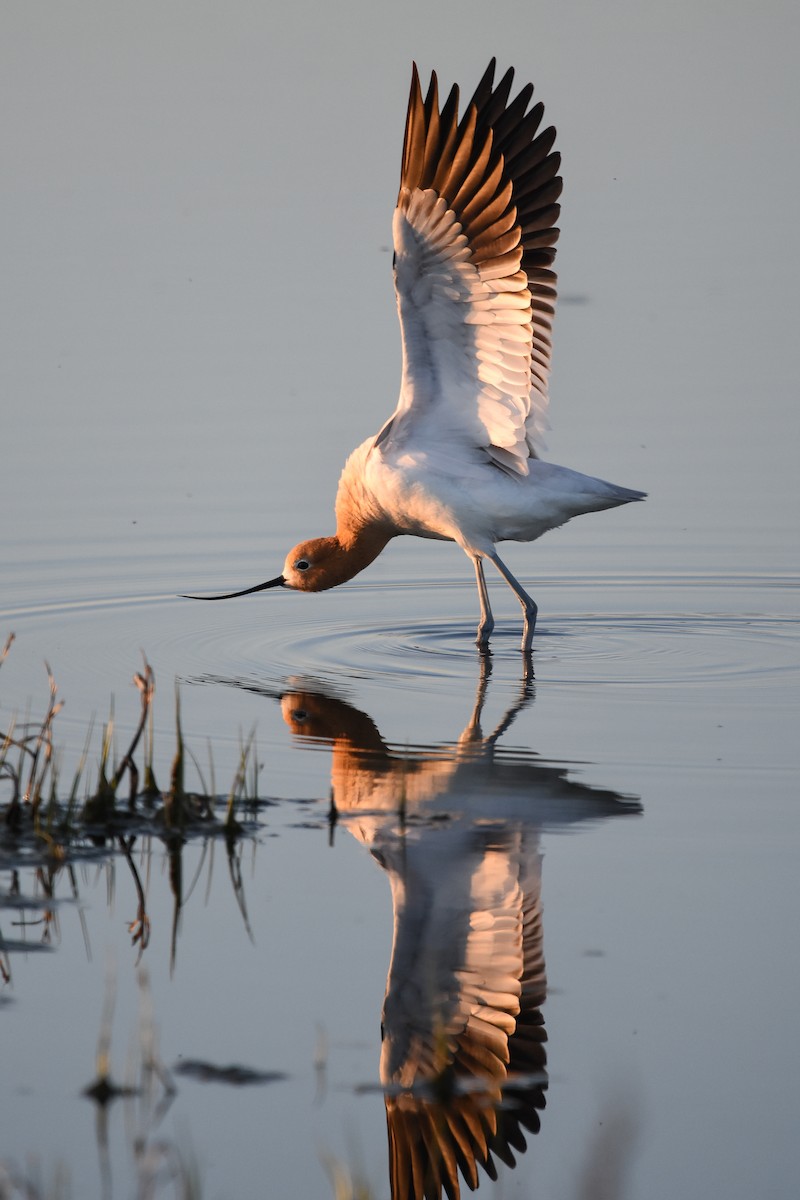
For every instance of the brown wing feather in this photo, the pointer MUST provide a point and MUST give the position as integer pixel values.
(498, 174)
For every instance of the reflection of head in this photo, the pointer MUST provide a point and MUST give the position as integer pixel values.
(318, 717)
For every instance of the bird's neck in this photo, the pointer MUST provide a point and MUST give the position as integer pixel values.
(356, 548)
(362, 529)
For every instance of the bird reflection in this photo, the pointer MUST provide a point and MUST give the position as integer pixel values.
(457, 829)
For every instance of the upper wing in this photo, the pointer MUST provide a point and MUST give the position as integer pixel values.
(474, 240)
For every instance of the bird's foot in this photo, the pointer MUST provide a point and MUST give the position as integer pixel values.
(528, 627)
(483, 634)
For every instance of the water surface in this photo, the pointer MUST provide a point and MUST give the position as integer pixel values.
(189, 351)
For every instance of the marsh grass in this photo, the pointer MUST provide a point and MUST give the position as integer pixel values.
(116, 812)
(51, 833)
(38, 809)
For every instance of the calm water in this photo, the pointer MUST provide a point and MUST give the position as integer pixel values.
(190, 346)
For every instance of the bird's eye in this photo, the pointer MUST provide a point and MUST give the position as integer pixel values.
(302, 564)
(299, 715)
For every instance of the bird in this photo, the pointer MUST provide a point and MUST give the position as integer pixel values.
(456, 827)
(459, 459)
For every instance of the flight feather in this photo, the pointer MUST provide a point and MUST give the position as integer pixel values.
(474, 240)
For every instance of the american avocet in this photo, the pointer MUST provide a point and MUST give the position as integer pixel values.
(474, 242)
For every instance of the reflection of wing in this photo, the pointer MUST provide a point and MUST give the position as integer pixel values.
(463, 1056)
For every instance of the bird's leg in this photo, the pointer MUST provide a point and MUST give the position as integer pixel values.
(528, 605)
(486, 624)
(527, 695)
(473, 734)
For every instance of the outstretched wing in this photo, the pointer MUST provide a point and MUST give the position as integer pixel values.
(474, 241)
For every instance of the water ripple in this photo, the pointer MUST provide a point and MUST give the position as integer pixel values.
(678, 646)
(667, 650)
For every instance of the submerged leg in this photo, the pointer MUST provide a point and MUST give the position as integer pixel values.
(487, 620)
(528, 605)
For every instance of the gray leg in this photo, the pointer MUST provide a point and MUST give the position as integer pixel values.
(528, 605)
(487, 620)
(473, 734)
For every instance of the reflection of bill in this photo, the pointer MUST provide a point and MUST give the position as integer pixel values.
(456, 828)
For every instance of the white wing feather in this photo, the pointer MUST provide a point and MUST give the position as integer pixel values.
(466, 340)
(474, 239)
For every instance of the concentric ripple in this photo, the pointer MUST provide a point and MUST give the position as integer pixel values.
(405, 636)
(656, 650)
